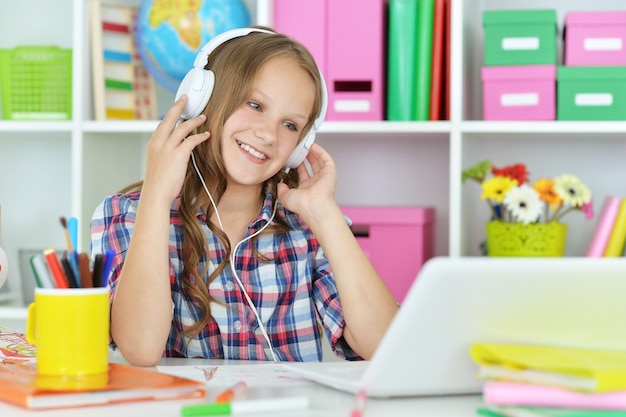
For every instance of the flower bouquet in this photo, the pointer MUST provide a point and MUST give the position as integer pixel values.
(526, 217)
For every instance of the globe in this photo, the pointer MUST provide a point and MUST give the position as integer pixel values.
(169, 33)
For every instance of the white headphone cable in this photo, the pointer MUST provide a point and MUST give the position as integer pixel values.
(232, 256)
(217, 214)
(245, 293)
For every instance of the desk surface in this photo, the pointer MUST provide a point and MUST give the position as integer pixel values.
(325, 402)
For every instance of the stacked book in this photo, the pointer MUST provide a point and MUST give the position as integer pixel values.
(535, 381)
(609, 237)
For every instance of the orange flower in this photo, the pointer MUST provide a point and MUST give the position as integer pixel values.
(545, 188)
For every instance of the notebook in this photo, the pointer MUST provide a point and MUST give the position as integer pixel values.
(455, 302)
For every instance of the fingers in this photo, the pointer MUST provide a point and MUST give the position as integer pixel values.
(303, 172)
(281, 189)
(173, 114)
(170, 130)
(193, 140)
(319, 152)
(318, 158)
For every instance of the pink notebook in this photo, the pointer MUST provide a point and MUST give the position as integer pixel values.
(605, 226)
(511, 393)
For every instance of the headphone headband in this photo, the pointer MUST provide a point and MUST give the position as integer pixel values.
(203, 55)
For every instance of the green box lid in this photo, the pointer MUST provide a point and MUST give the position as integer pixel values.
(566, 73)
(519, 17)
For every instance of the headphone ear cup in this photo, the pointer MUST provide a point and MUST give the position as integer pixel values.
(198, 86)
(301, 151)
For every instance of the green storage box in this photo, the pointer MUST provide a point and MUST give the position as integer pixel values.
(36, 83)
(591, 93)
(520, 37)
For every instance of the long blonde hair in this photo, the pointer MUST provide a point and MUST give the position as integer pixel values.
(236, 64)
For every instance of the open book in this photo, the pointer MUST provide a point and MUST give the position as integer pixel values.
(13, 344)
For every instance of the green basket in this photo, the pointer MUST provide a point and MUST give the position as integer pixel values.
(36, 83)
(518, 239)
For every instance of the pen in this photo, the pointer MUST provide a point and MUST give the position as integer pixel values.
(56, 270)
(72, 228)
(359, 404)
(38, 262)
(106, 268)
(73, 273)
(96, 275)
(245, 407)
(227, 395)
(69, 274)
(85, 273)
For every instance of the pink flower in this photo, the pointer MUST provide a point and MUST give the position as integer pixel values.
(588, 210)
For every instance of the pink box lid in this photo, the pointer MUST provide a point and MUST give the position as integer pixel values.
(517, 72)
(595, 18)
(389, 215)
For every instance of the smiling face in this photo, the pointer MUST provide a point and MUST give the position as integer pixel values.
(261, 133)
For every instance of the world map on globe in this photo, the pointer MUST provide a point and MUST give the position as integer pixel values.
(169, 33)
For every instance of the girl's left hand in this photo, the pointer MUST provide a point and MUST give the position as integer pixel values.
(315, 193)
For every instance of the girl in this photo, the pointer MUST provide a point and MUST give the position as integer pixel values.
(221, 252)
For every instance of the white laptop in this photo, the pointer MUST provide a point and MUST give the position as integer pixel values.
(455, 302)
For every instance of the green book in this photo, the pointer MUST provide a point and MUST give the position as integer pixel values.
(401, 59)
(423, 68)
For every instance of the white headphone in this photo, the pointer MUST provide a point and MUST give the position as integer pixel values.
(198, 85)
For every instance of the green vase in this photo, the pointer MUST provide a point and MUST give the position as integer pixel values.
(518, 239)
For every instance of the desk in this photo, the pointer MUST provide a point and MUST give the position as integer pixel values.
(325, 402)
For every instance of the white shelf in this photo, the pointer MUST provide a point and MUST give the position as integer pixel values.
(35, 126)
(385, 127)
(556, 127)
(146, 126)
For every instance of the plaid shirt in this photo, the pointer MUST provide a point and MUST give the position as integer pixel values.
(290, 291)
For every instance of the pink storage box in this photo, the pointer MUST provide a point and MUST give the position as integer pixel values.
(396, 240)
(347, 40)
(355, 59)
(519, 92)
(595, 38)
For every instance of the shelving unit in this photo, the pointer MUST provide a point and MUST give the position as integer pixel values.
(48, 170)
(590, 150)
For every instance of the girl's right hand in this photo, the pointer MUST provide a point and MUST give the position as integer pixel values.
(168, 152)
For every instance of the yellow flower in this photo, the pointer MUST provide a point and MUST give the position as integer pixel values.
(495, 188)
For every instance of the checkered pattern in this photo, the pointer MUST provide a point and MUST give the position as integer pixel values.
(290, 291)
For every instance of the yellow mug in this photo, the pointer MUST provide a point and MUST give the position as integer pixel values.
(70, 331)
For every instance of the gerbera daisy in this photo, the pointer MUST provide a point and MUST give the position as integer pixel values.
(545, 188)
(517, 172)
(524, 204)
(572, 190)
(495, 188)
